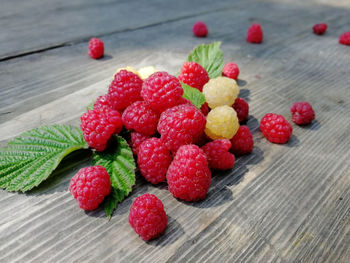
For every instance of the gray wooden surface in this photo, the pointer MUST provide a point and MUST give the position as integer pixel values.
(282, 203)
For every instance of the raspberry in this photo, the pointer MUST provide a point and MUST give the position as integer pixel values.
(345, 38)
(218, 154)
(275, 128)
(188, 175)
(242, 109)
(255, 34)
(96, 48)
(302, 113)
(103, 102)
(200, 29)
(231, 71)
(204, 108)
(162, 91)
(124, 89)
(180, 125)
(242, 142)
(90, 186)
(141, 118)
(136, 139)
(153, 160)
(99, 125)
(193, 75)
(145, 72)
(320, 29)
(220, 91)
(222, 123)
(147, 216)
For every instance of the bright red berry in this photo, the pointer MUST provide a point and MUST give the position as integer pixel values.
(153, 160)
(188, 175)
(204, 108)
(345, 38)
(125, 89)
(180, 125)
(147, 216)
(231, 70)
(90, 186)
(193, 75)
(242, 142)
(136, 139)
(96, 48)
(302, 113)
(255, 34)
(276, 128)
(99, 125)
(103, 102)
(242, 109)
(218, 154)
(320, 29)
(200, 29)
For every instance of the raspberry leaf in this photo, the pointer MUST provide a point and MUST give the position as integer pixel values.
(30, 158)
(194, 95)
(111, 201)
(90, 106)
(210, 57)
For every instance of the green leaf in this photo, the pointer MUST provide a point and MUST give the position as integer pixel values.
(210, 57)
(30, 158)
(111, 201)
(90, 106)
(194, 95)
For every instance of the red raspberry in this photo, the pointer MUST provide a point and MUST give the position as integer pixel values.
(242, 109)
(90, 186)
(193, 75)
(218, 154)
(141, 118)
(125, 89)
(242, 142)
(103, 102)
(320, 29)
(200, 29)
(275, 128)
(302, 113)
(162, 91)
(231, 70)
(153, 160)
(345, 38)
(255, 34)
(136, 139)
(147, 216)
(99, 125)
(181, 125)
(204, 108)
(96, 48)
(188, 175)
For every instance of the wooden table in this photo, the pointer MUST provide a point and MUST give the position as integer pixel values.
(282, 203)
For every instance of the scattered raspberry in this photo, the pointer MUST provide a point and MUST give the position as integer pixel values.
(320, 29)
(231, 71)
(90, 186)
(141, 118)
(99, 125)
(125, 89)
(200, 29)
(103, 102)
(218, 154)
(180, 125)
(153, 159)
(222, 123)
(136, 139)
(242, 142)
(220, 91)
(188, 175)
(147, 216)
(302, 113)
(96, 48)
(162, 91)
(255, 34)
(345, 38)
(193, 75)
(242, 109)
(275, 128)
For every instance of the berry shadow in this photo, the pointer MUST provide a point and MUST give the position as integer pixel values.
(244, 93)
(313, 126)
(293, 141)
(241, 82)
(105, 58)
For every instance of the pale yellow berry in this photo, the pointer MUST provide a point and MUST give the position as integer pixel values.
(145, 72)
(220, 91)
(130, 69)
(222, 123)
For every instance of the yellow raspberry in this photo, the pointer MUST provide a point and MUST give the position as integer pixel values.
(222, 123)
(220, 91)
(145, 72)
(130, 69)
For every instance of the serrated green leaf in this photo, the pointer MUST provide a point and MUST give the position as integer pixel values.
(30, 158)
(110, 202)
(90, 106)
(194, 95)
(210, 57)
